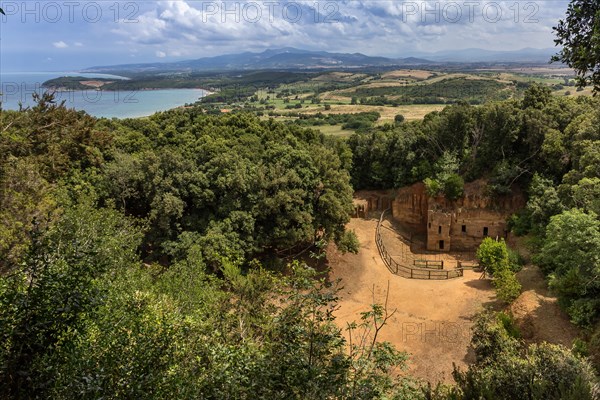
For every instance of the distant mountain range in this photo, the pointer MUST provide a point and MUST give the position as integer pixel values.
(292, 58)
(285, 58)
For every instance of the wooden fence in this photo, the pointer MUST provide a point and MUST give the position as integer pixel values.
(429, 264)
(425, 269)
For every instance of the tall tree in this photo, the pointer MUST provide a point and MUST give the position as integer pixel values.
(579, 34)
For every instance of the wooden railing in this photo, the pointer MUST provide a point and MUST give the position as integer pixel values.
(429, 264)
(425, 269)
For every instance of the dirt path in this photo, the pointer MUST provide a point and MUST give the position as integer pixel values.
(433, 318)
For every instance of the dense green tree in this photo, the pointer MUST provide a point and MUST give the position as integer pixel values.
(543, 202)
(537, 96)
(570, 254)
(586, 195)
(578, 35)
(231, 182)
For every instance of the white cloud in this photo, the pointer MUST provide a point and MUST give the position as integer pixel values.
(161, 54)
(384, 27)
(60, 45)
(78, 44)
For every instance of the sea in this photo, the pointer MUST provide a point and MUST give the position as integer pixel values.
(17, 88)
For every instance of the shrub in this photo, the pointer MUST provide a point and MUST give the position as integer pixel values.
(505, 369)
(507, 286)
(520, 223)
(492, 255)
(494, 258)
(432, 186)
(515, 260)
(349, 243)
(454, 187)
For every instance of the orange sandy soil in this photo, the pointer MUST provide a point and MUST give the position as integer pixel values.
(537, 312)
(433, 319)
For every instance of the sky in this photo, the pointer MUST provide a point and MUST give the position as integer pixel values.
(70, 35)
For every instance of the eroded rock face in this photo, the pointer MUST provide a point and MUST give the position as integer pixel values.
(458, 225)
(537, 313)
(368, 201)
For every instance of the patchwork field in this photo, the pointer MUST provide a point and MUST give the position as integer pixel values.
(412, 93)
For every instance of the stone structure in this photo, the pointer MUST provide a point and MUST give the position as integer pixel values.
(457, 225)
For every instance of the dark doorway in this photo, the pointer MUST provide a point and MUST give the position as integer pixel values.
(440, 229)
(441, 245)
(485, 231)
(464, 229)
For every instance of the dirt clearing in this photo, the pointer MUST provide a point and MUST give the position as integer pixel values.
(433, 318)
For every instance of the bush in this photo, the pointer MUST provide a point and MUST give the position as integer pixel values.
(454, 187)
(349, 243)
(520, 223)
(515, 260)
(433, 187)
(494, 258)
(492, 255)
(508, 322)
(507, 286)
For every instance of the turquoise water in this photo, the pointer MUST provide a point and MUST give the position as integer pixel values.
(19, 87)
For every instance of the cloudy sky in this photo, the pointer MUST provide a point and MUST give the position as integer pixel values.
(67, 35)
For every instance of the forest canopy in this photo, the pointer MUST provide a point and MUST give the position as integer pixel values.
(143, 257)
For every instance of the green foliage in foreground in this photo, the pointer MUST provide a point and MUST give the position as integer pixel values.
(508, 369)
(83, 316)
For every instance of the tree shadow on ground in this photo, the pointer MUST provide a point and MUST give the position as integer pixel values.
(486, 285)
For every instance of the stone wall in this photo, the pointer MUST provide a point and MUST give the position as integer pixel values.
(469, 227)
(439, 226)
(457, 225)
